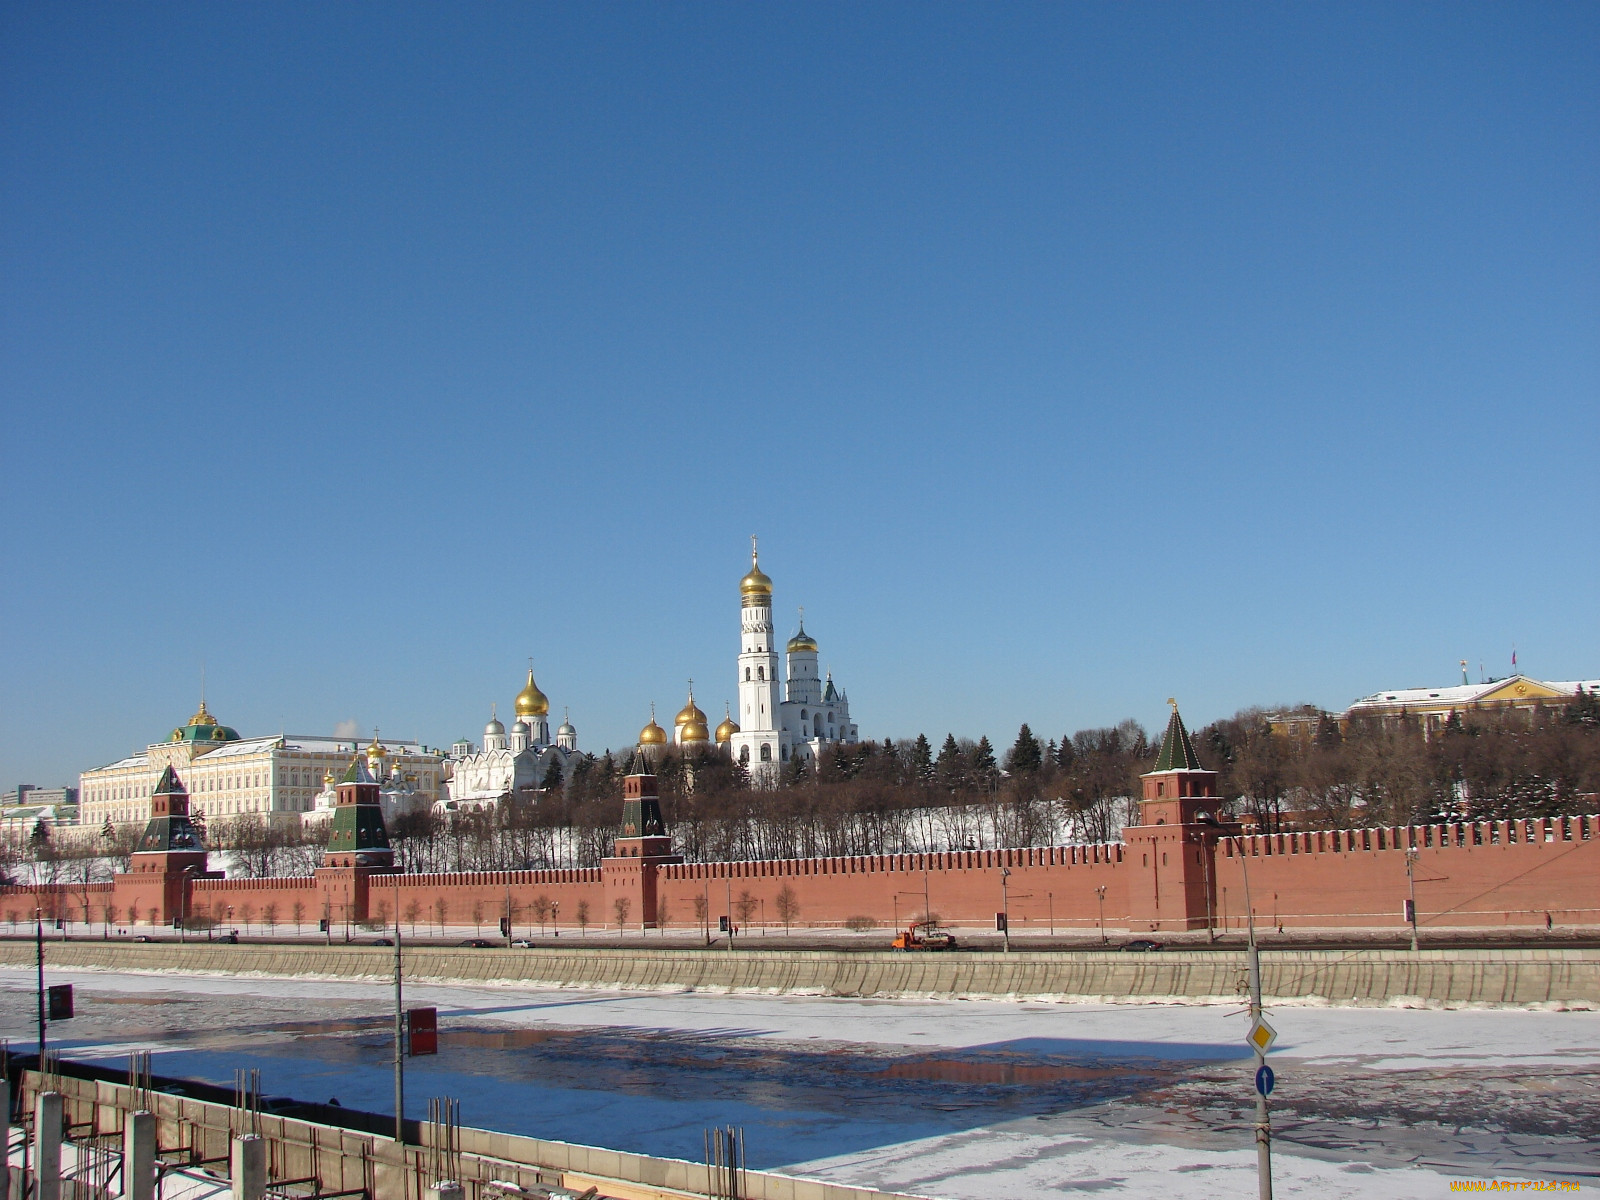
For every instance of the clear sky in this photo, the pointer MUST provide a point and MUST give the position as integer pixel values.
(1064, 357)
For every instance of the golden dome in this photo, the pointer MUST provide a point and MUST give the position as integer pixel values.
(328, 780)
(693, 731)
(690, 712)
(756, 583)
(376, 750)
(201, 717)
(727, 729)
(802, 641)
(531, 702)
(652, 734)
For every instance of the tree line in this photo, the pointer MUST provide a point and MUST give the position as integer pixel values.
(902, 797)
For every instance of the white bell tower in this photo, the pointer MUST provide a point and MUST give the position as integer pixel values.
(761, 744)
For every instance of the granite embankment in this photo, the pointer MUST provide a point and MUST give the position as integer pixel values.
(1453, 976)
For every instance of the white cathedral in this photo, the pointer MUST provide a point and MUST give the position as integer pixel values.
(769, 732)
(510, 763)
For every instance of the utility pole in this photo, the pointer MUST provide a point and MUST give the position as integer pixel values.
(399, 1029)
(1263, 1120)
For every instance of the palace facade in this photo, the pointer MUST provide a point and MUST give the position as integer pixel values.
(230, 776)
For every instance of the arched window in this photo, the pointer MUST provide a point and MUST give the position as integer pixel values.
(744, 756)
(766, 751)
(761, 673)
(802, 714)
(747, 674)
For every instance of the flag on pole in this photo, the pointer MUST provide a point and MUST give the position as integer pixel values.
(1513, 656)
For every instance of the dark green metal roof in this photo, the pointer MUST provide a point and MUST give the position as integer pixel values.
(1177, 751)
(357, 772)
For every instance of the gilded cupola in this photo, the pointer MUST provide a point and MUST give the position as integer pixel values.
(652, 734)
(755, 587)
(531, 702)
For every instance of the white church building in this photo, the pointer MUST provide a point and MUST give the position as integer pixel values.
(811, 713)
(510, 763)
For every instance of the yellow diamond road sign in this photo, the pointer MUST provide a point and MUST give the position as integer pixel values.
(1261, 1036)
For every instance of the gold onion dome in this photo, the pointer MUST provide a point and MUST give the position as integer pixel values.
(531, 702)
(727, 729)
(689, 714)
(652, 734)
(694, 731)
(376, 750)
(802, 641)
(756, 583)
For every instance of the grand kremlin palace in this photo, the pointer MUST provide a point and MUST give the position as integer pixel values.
(230, 776)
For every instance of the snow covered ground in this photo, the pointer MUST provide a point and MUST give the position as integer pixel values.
(942, 1098)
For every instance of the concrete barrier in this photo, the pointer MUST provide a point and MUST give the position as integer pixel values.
(1453, 976)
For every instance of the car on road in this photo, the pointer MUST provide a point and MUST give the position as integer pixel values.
(143, 937)
(478, 943)
(381, 942)
(1140, 945)
(522, 944)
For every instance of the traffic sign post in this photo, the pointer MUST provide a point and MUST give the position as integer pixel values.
(1261, 1035)
(1265, 1079)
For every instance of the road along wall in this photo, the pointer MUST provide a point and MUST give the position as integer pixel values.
(1494, 977)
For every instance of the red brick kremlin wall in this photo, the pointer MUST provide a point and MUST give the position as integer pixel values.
(1162, 878)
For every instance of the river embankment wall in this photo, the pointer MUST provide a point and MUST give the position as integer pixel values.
(1560, 977)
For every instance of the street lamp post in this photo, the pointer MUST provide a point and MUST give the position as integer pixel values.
(1100, 893)
(1205, 869)
(1005, 908)
(1411, 885)
(38, 933)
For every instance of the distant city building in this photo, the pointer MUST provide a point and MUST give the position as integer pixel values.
(508, 764)
(27, 793)
(229, 776)
(1431, 707)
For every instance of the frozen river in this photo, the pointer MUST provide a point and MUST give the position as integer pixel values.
(942, 1098)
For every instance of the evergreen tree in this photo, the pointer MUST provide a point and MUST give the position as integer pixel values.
(1025, 757)
(553, 778)
(1066, 754)
(950, 769)
(983, 765)
(922, 759)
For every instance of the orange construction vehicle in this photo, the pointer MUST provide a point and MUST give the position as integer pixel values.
(925, 935)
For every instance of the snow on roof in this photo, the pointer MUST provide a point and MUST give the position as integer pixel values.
(133, 760)
(1465, 693)
(306, 745)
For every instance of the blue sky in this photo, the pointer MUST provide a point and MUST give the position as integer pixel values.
(1065, 358)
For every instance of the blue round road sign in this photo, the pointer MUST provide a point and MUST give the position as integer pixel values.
(1264, 1079)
